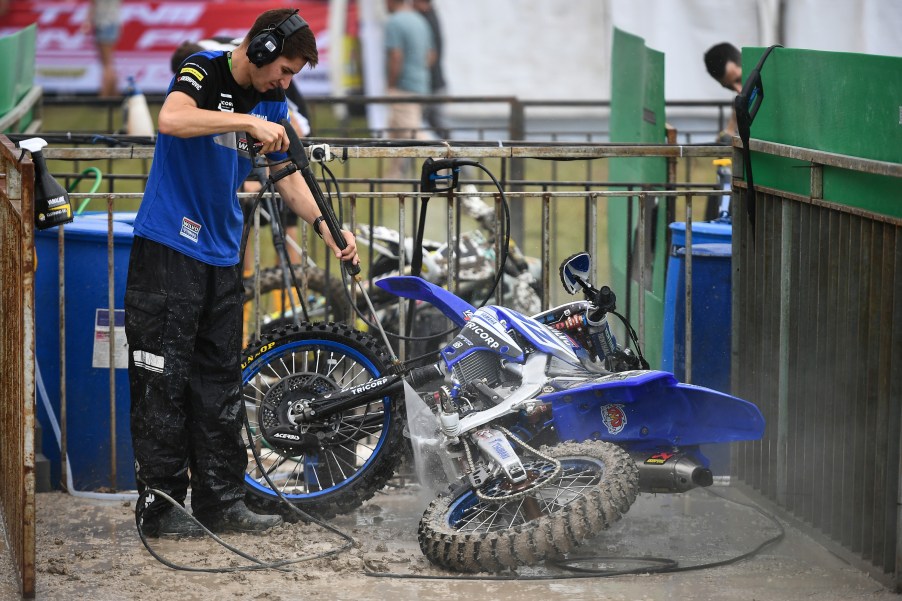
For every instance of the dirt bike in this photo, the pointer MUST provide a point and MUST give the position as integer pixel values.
(546, 427)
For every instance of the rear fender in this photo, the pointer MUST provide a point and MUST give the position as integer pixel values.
(648, 408)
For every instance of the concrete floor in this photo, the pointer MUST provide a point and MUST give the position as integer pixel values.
(89, 550)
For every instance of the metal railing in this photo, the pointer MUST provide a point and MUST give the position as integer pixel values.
(586, 200)
(817, 344)
(17, 346)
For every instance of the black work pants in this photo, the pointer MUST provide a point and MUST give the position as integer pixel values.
(183, 323)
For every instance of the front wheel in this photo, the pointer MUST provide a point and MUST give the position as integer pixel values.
(597, 484)
(324, 466)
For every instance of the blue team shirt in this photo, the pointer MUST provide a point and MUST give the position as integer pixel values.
(191, 199)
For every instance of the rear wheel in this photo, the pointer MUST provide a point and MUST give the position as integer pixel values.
(333, 464)
(597, 484)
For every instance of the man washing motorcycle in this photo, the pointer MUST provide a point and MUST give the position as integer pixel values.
(184, 294)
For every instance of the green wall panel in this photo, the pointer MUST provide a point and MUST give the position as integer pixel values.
(837, 102)
(637, 116)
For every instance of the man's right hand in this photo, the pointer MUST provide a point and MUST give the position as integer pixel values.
(270, 136)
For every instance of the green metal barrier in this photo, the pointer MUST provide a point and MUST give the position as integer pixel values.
(17, 52)
(837, 102)
(637, 116)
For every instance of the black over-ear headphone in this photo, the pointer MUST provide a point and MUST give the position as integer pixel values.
(266, 46)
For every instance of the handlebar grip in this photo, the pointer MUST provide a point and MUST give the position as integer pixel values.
(606, 299)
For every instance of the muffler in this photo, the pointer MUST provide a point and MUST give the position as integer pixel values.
(670, 472)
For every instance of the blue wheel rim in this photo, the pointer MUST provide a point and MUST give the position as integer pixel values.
(254, 368)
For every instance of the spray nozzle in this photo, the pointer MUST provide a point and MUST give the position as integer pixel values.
(33, 145)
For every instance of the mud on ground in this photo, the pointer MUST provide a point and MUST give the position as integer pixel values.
(90, 550)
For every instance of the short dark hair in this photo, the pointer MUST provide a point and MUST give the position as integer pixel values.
(717, 57)
(301, 44)
(184, 50)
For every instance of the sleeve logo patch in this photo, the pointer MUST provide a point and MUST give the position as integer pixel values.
(190, 229)
(190, 80)
(193, 72)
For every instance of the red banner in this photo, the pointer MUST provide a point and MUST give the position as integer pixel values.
(66, 58)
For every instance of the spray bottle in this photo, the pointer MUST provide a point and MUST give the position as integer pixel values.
(51, 201)
(136, 115)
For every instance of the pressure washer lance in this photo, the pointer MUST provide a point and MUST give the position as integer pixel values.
(51, 201)
(301, 163)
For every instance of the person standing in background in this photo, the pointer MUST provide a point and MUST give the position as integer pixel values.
(410, 54)
(724, 63)
(434, 113)
(104, 21)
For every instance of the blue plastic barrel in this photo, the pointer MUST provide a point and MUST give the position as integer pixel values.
(711, 305)
(86, 312)
(703, 232)
(711, 314)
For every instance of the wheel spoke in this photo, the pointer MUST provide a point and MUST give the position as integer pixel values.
(572, 484)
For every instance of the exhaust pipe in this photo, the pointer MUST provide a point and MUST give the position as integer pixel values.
(670, 472)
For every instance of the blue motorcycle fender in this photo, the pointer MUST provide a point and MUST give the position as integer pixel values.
(407, 286)
(640, 408)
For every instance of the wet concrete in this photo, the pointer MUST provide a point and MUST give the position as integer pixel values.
(89, 550)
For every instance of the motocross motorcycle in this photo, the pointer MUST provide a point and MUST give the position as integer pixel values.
(545, 427)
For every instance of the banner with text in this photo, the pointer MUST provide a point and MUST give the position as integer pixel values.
(67, 61)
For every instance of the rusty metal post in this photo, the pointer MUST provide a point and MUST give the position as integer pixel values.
(64, 405)
(783, 374)
(17, 355)
(546, 250)
(402, 306)
(352, 225)
(593, 238)
(111, 315)
(688, 315)
(643, 216)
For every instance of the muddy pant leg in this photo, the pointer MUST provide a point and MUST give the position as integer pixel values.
(160, 325)
(219, 457)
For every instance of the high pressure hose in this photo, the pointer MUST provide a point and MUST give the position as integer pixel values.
(431, 178)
